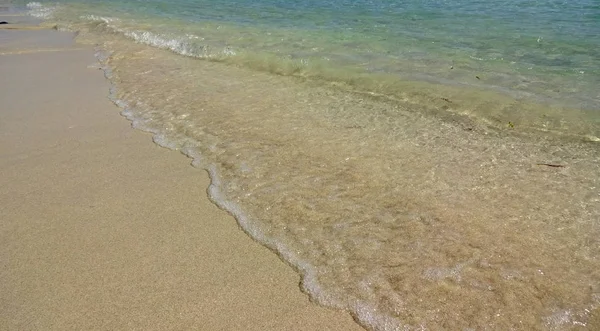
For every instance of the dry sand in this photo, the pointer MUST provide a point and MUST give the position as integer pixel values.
(100, 229)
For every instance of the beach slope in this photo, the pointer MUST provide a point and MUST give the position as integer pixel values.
(102, 229)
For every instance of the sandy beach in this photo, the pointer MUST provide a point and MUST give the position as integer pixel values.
(100, 229)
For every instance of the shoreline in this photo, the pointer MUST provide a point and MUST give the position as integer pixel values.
(464, 92)
(105, 230)
(405, 218)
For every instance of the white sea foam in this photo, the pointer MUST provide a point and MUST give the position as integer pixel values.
(182, 46)
(370, 315)
(366, 313)
(106, 20)
(38, 10)
(176, 45)
(179, 45)
(163, 141)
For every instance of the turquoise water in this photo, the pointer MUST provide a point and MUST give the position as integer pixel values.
(424, 165)
(547, 50)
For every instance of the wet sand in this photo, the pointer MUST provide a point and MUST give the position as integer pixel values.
(100, 229)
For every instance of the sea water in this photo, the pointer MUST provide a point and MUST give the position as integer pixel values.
(422, 164)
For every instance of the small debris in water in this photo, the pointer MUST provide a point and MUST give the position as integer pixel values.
(551, 165)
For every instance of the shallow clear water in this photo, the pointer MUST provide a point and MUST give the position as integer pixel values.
(534, 65)
(355, 140)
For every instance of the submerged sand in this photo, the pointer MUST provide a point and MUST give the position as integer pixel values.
(102, 229)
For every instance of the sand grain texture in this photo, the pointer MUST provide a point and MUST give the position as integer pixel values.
(100, 229)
